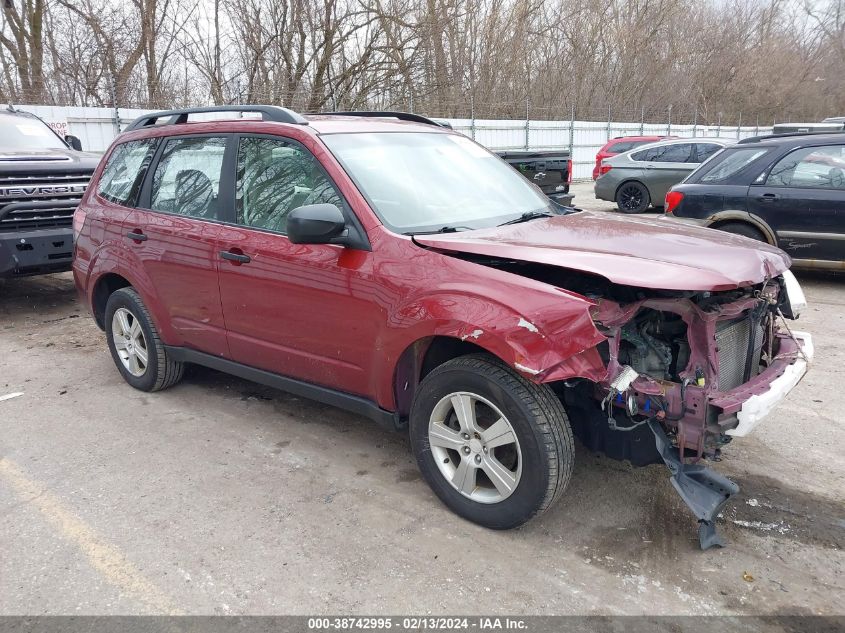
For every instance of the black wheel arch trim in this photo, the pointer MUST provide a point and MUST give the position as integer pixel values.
(735, 215)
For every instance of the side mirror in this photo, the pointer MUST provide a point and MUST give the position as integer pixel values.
(315, 224)
(74, 142)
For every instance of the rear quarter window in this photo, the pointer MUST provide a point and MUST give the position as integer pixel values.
(626, 146)
(732, 162)
(124, 172)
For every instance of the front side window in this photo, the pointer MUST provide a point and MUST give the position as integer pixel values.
(732, 161)
(810, 168)
(186, 180)
(274, 178)
(425, 181)
(123, 174)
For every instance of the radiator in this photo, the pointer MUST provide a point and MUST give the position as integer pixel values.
(732, 346)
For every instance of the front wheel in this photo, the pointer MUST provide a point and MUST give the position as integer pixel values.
(632, 197)
(496, 448)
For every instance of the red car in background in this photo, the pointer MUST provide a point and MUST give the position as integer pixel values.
(620, 145)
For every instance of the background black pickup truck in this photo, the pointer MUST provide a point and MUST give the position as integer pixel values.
(549, 170)
(42, 178)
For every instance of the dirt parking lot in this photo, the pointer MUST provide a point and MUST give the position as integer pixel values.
(223, 497)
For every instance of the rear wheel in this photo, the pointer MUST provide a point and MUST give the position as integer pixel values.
(632, 197)
(741, 228)
(135, 345)
(496, 448)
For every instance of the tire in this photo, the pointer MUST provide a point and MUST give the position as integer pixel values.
(539, 459)
(744, 229)
(632, 197)
(130, 327)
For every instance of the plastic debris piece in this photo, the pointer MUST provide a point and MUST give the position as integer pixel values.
(9, 396)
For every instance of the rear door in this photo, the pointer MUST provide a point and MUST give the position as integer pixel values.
(307, 311)
(667, 165)
(174, 236)
(802, 197)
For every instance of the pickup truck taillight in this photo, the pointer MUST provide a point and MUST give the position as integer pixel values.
(603, 169)
(569, 172)
(673, 199)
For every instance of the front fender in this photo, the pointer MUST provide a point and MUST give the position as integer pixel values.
(550, 336)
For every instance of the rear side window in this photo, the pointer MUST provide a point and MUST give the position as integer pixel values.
(186, 180)
(706, 150)
(626, 146)
(733, 161)
(810, 168)
(274, 178)
(675, 153)
(124, 173)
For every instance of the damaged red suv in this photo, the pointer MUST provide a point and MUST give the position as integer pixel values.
(387, 265)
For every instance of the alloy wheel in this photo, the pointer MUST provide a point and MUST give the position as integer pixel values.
(129, 342)
(630, 198)
(475, 447)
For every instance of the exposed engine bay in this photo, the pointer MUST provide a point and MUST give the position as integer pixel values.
(681, 368)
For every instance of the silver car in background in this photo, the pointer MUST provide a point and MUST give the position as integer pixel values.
(640, 178)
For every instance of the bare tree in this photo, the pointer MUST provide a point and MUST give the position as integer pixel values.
(483, 58)
(25, 46)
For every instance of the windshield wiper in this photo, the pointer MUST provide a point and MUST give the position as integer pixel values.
(442, 229)
(528, 215)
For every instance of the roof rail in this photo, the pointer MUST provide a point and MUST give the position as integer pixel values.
(766, 137)
(273, 113)
(402, 116)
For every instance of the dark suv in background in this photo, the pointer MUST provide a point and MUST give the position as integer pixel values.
(42, 179)
(787, 190)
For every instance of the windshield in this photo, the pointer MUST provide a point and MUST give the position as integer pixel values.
(417, 181)
(25, 133)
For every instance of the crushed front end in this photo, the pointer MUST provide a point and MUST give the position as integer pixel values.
(694, 371)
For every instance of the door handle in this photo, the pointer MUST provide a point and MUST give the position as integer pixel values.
(236, 258)
(768, 197)
(137, 236)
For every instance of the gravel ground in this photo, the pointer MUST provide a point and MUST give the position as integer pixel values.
(586, 199)
(223, 497)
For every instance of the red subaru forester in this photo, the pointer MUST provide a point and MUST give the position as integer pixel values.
(384, 264)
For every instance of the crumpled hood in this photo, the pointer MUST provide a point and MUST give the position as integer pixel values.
(647, 253)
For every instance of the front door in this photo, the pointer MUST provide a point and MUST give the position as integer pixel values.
(306, 311)
(174, 235)
(803, 199)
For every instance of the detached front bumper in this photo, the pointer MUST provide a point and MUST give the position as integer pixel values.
(36, 252)
(751, 402)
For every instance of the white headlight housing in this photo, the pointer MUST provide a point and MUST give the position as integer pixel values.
(794, 295)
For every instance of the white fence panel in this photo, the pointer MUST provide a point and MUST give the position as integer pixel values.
(96, 128)
(586, 137)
